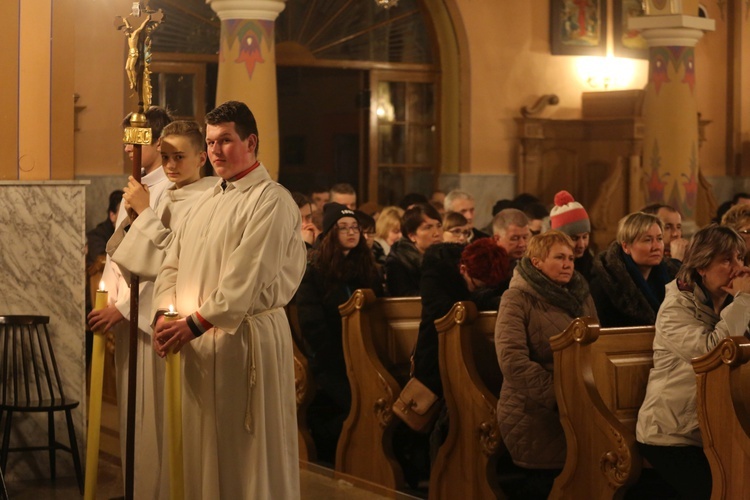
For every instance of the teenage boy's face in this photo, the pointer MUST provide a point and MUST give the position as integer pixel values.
(181, 160)
(229, 154)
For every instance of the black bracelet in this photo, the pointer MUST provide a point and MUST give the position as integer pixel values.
(193, 327)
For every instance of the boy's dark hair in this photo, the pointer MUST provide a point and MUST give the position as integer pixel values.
(115, 197)
(187, 128)
(156, 119)
(736, 197)
(238, 113)
(300, 199)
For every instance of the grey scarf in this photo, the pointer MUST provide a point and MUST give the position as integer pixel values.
(570, 297)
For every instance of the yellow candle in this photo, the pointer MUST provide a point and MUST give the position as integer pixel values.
(95, 402)
(174, 418)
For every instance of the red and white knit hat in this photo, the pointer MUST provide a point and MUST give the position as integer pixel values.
(568, 215)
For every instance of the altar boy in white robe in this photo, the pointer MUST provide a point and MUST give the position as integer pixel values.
(116, 315)
(139, 247)
(234, 264)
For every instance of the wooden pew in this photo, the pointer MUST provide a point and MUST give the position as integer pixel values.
(600, 382)
(723, 384)
(465, 466)
(304, 387)
(378, 338)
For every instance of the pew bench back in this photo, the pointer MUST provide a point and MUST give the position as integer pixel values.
(379, 335)
(600, 377)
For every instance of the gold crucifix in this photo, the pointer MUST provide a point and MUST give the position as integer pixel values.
(137, 27)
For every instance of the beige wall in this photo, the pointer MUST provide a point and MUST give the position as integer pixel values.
(100, 83)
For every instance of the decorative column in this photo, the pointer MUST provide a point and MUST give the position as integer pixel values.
(670, 148)
(247, 67)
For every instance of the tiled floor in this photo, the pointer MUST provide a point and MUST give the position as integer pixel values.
(315, 485)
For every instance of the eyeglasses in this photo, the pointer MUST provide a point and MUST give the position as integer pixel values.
(348, 229)
(369, 234)
(460, 232)
(743, 231)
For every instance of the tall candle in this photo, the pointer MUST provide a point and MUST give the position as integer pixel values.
(95, 402)
(174, 418)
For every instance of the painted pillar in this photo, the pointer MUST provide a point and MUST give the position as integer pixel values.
(247, 67)
(670, 114)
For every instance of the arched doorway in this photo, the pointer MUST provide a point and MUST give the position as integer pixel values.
(358, 97)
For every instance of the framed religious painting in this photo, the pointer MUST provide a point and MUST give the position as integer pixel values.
(627, 42)
(578, 27)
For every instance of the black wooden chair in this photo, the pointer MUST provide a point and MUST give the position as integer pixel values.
(30, 383)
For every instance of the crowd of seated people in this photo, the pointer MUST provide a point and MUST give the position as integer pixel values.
(538, 270)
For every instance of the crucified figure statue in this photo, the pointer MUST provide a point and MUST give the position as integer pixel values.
(133, 35)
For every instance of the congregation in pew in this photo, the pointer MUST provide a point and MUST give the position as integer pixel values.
(598, 416)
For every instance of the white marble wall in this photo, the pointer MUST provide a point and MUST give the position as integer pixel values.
(42, 272)
(97, 196)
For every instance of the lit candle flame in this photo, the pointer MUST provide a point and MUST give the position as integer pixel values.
(101, 286)
(171, 309)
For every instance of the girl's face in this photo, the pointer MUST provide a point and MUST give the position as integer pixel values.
(349, 233)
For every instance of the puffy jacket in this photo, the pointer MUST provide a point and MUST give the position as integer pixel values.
(686, 327)
(527, 409)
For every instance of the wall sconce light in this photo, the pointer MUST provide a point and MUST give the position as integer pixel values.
(386, 4)
(606, 73)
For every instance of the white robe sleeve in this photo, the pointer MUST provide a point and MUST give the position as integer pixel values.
(142, 249)
(271, 254)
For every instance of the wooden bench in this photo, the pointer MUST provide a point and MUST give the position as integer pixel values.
(600, 376)
(378, 338)
(723, 385)
(465, 466)
(304, 387)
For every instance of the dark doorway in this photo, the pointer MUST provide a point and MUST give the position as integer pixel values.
(321, 135)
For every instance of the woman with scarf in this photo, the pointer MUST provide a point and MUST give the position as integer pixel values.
(341, 264)
(629, 277)
(545, 295)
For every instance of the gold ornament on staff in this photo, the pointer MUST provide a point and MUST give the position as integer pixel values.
(137, 26)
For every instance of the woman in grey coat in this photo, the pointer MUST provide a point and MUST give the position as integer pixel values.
(545, 295)
(709, 300)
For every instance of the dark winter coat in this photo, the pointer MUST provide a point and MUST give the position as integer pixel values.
(320, 322)
(442, 286)
(622, 296)
(402, 269)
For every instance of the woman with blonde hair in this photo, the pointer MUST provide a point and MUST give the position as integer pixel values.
(387, 232)
(545, 295)
(629, 277)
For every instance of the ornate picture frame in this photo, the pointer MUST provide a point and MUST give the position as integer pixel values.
(578, 27)
(627, 42)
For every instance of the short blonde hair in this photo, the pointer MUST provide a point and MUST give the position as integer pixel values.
(389, 218)
(736, 217)
(541, 244)
(633, 226)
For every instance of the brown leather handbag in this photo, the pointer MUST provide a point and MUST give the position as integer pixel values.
(417, 406)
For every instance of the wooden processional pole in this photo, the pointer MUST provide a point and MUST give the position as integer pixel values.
(137, 27)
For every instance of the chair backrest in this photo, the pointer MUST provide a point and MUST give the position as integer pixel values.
(29, 375)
